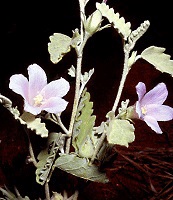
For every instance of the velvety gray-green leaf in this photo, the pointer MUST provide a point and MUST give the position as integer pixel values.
(58, 46)
(83, 139)
(115, 19)
(120, 132)
(160, 60)
(80, 167)
(34, 124)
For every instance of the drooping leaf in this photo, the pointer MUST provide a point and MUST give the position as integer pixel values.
(58, 46)
(34, 124)
(83, 138)
(47, 156)
(157, 57)
(120, 132)
(115, 19)
(80, 167)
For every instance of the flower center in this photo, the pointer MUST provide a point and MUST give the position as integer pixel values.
(144, 110)
(38, 100)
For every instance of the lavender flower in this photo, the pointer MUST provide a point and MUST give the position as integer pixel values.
(149, 105)
(37, 93)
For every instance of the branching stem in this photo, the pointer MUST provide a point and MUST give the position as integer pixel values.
(77, 90)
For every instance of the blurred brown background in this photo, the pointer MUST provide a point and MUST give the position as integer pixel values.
(26, 27)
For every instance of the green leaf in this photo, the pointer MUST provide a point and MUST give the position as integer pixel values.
(58, 46)
(80, 167)
(47, 156)
(160, 60)
(115, 19)
(83, 138)
(34, 124)
(120, 132)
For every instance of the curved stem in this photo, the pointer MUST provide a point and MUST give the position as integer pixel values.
(123, 79)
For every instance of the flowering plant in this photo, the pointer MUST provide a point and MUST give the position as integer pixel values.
(82, 148)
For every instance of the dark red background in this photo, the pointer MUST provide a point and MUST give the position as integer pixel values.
(26, 27)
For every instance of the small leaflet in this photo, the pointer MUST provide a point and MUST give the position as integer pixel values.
(72, 71)
(58, 46)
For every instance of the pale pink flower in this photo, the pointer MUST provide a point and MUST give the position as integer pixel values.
(37, 93)
(149, 105)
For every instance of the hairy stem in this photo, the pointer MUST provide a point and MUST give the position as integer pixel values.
(82, 14)
(47, 193)
(102, 138)
(31, 152)
(123, 79)
(77, 90)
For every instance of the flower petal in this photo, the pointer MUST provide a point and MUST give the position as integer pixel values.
(160, 112)
(54, 105)
(156, 96)
(57, 88)
(32, 109)
(37, 80)
(138, 110)
(19, 84)
(153, 124)
(141, 90)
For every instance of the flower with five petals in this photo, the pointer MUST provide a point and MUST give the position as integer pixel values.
(149, 106)
(37, 93)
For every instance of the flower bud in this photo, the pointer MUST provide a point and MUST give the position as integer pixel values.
(93, 22)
